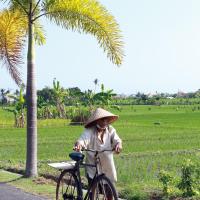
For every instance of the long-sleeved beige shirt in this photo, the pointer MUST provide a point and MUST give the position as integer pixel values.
(90, 140)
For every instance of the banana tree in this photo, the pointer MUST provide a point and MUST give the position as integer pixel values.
(105, 97)
(59, 97)
(21, 20)
(18, 109)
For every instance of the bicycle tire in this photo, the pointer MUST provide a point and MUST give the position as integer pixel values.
(68, 187)
(103, 189)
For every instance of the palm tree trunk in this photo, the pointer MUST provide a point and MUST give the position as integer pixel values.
(31, 98)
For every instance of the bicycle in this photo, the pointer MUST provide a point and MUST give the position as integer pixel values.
(69, 185)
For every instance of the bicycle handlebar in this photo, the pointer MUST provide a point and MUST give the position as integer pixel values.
(96, 151)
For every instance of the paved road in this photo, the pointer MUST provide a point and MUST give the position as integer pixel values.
(8, 192)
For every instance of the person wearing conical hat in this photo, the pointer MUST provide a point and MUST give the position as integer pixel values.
(100, 135)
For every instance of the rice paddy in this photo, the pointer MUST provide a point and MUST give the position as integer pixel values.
(154, 138)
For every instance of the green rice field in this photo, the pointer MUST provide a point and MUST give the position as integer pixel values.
(154, 138)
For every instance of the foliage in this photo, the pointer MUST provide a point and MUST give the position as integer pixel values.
(78, 115)
(12, 33)
(147, 148)
(103, 99)
(188, 183)
(4, 94)
(45, 95)
(18, 109)
(88, 99)
(74, 96)
(45, 111)
(59, 95)
(188, 180)
(165, 178)
(21, 19)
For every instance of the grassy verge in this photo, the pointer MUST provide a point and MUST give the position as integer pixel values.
(46, 187)
(39, 186)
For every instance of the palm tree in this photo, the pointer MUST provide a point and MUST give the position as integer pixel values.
(22, 19)
(96, 82)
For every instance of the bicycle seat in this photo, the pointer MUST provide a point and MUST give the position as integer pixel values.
(77, 156)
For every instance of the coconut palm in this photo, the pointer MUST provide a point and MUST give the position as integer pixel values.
(87, 16)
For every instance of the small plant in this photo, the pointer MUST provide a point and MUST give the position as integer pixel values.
(165, 177)
(187, 181)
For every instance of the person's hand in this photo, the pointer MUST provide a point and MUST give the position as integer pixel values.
(77, 147)
(118, 148)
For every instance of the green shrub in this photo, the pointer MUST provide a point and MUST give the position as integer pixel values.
(187, 182)
(165, 178)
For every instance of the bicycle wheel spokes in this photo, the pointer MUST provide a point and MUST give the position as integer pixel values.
(67, 187)
(103, 189)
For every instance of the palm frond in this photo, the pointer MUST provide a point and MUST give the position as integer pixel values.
(88, 16)
(39, 33)
(12, 32)
(23, 7)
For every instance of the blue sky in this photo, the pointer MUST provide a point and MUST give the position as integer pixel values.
(162, 47)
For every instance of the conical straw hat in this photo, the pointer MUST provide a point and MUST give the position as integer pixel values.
(98, 114)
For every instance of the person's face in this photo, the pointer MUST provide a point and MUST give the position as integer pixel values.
(103, 123)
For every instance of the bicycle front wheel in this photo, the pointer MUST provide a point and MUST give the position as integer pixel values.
(68, 187)
(103, 189)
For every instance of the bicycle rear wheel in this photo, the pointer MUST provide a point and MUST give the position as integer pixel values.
(68, 187)
(103, 189)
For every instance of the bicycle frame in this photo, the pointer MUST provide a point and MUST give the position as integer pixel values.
(80, 164)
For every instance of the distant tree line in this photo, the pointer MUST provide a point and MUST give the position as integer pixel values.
(74, 104)
(59, 102)
(179, 98)
(60, 97)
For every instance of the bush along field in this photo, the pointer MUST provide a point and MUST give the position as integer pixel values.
(160, 157)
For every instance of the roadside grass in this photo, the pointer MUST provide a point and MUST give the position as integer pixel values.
(37, 186)
(7, 177)
(154, 138)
